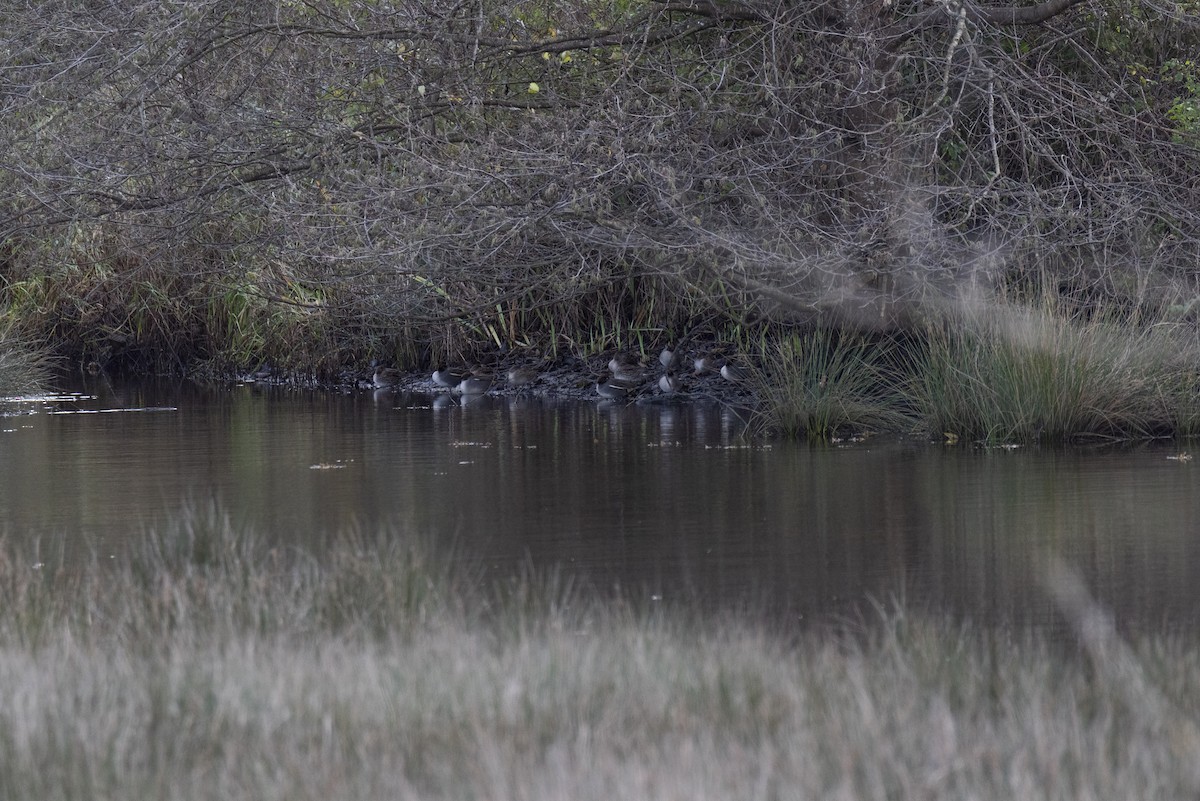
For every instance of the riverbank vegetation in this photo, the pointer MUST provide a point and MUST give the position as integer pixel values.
(997, 374)
(1031, 374)
(314, 185)
(210, 664)
(821, 384)
(24, 369)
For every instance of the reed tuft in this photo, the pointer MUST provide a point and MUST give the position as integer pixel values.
(823, 382)
(1019, 374)
(23, 368)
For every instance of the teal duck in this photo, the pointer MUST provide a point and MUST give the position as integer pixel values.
(384, 377)
(704, 365)
(614, 388)
(520, 376)
(474, 385)
(623, 362)
(668, 384)
(630, 375)
(626, 369)
(450, 377)
(731, 372)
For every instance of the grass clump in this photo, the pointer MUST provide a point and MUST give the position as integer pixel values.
(210, 665)
(1020, 374)
(822, 382)
(23, 369)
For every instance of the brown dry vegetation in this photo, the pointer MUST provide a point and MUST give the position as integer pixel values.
(23, 367)
(321, 182)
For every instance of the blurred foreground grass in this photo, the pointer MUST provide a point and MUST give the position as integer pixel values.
(210, 666)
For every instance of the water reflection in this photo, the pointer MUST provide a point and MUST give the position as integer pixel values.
(667, 499)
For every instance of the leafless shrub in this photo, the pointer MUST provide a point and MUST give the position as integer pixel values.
(454, 175)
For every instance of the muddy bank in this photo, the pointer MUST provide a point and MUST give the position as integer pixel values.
(570, 378)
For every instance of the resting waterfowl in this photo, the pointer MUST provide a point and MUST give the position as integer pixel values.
(626, 369)
(384, 377)
(450, 377)
(668, 384)
(630, 375)
(667, 357)
(614, 388)
(623, 362)
(520, 376)
(731, 372)
(703, 365)
(475, 385)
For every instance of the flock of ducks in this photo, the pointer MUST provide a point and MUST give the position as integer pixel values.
(626, 376)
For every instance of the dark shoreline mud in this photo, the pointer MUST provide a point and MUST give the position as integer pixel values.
(571, 378)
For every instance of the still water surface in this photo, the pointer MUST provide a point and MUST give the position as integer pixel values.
(668, 501)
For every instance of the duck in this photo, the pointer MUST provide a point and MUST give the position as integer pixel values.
(474, 385)
(703, 365)
(623, 362)
(668, 384)
(733, 373)
(613, 388)
(629, 375)
(520, 376)
(667, 357)
(450, 377)
(384, 377)
(626, 369)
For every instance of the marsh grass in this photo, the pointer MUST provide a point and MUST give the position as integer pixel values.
(23, 368)
(99, 294)
(209, 665)
(821, 382)
(1020, 374)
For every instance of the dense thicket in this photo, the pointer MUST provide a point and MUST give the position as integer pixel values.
(319, 179)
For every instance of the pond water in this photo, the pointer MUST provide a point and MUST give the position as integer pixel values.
(665, 501)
